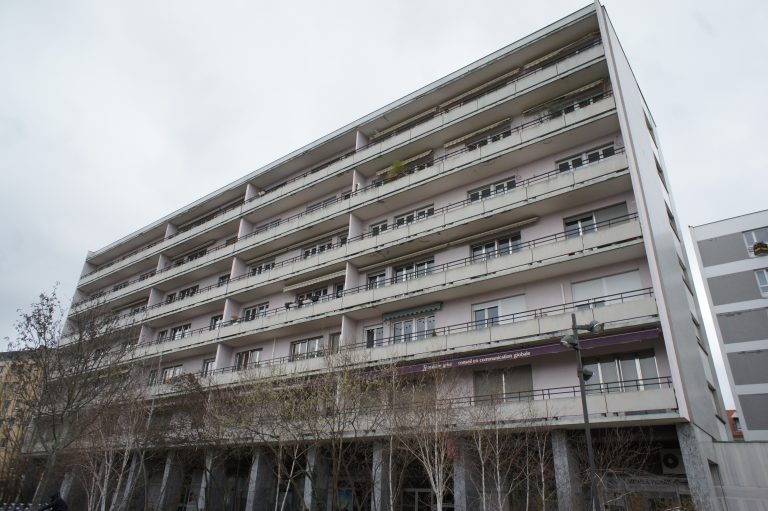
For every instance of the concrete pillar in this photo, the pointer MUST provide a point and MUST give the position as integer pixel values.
(66, 485)
(569, 494)
(211, 484)
(130, 482)
(464, 496)
(261, 483)
(244, 228)
(251, 192)
(238, 268)
(380, 471)
(697, 469)
(171, 484)
(170, 230)
(356, 226)
(316, 481)
(163, 262)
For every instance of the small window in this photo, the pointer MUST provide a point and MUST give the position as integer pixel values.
(120, 286)
(256, 311)
(247, 359)
(414, 216)
(486, 316)
(216, 321)
(170, 374)
(334, 342)
(374, 336)
(585, 158)
(223, 279)
(314, 295)
(376, 280)
(413, 270)
(486, 191)
(497, 247)
(412, 329)
(188, 292)
(162, 335)
(307, 348)
(762, 281)
(752, 237)
(170, 298)
(580, 226)
(378, 228)
(209, 365)
(180, 331)
(261, 267)
(318, 248)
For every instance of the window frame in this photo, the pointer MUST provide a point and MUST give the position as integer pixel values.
(413, 216)
(255, 311)
(409, 329)
(515, 245)
(585, 157)
(419, 268)
(304, 353)
(245, 359)
(762, 286)
(492, 189)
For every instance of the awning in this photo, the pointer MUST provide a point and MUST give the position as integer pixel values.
(479, 88)
(478, 132)
(564, 97)
(413, 311)
(406, 162)
(312, 282)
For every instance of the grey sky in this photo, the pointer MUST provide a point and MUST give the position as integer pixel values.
(113, 114)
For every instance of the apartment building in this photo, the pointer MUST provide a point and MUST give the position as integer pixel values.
(731, 254)
(462, 224)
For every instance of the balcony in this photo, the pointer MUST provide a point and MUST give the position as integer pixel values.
(531, 78)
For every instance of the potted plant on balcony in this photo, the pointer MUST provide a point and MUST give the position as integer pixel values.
(396, 171)
(760, 248)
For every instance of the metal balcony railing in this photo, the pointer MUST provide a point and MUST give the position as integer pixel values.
(466, 261)
(317, 168)
(501, 321)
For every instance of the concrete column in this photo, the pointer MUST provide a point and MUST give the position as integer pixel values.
(361, 140)
(245, 227)
(238, 268)
(130, 483)
(251, 192)
(355, 226)
(210, 484)
(569, 494)
(232, 309)
(697, 469)
(66, 485)
(170, 485)
(261, 483)
(380, 470)
(316, 481)
(170, 230)
(464, 497)
(163, 262)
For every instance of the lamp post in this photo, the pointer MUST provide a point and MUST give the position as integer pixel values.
(572, 341)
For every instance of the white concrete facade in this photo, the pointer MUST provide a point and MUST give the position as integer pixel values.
(463, 223)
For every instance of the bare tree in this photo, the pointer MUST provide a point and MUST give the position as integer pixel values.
(70, 374)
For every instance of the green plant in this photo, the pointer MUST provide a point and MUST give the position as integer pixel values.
(396, 171)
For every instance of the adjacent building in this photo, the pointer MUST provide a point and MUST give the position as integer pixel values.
(731, 254)
(463, 223)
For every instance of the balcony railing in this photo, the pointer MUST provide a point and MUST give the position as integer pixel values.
(466, 261)
(409, 170)
(317, 168)
(503, 320)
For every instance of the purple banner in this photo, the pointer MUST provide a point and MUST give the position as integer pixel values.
(534, 351)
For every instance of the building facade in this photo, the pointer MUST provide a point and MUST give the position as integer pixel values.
(730, 254)
(462, 224)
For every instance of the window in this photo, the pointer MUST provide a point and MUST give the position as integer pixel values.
(247, 359)
(311, 296)
(267, 226)
(379, 228)
(252, 313)
(147, 275)
(374, 336)
(412, 329)
(223, 279)
(170, 298)
(601, 291)
(178, 332)
(186, 293)
(623, 372)
(752, 237)
(489, 137)
(762, 281)
(498, 247)
(511, 384)
(209, 364)
(585, 158)
(307, 348)
(162, 335)
(338, 290)
(120, 286)
(585, 223)
(413, 270)
(486, 317)
(231, 241)
(152, 380)
(197, 254)
(170, 374)
(376, 280)
(215, 321)
(492, 189)
(319, 248)
(136, 309)
(334, 341)
(414, 216)
(261, 267)
(497, 312)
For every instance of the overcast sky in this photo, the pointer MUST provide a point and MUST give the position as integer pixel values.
(113, 114)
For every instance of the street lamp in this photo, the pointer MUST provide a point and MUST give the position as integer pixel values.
(572, 341)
